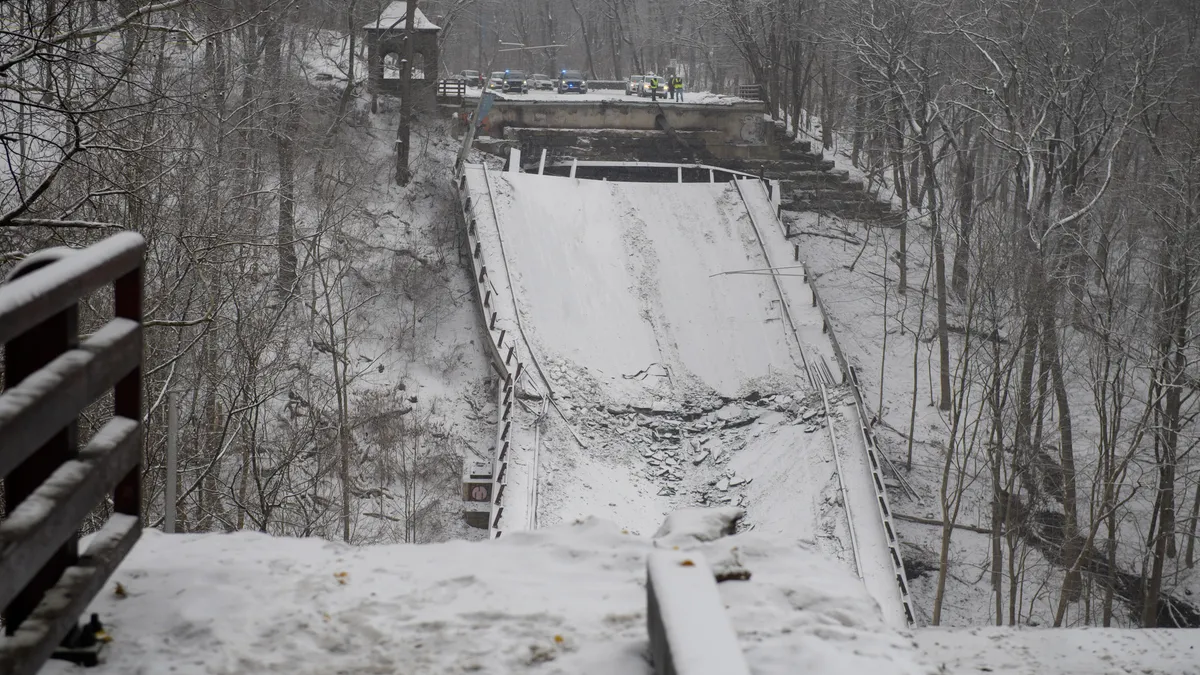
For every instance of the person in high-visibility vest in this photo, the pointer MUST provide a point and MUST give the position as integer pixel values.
(654, 88)
(678, 88)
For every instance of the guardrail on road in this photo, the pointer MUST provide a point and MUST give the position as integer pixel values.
(850, 378)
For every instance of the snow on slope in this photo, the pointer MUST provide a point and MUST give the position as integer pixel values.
(1061, 651)
(562, 600)
(618, 276)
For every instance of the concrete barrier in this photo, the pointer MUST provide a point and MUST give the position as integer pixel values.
(690, 633)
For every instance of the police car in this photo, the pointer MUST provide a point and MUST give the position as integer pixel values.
(515, 82)
(645, 89)
(572, 81)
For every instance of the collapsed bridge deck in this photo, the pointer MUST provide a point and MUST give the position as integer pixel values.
(598, 281)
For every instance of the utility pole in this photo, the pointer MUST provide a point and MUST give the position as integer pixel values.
(403, 175)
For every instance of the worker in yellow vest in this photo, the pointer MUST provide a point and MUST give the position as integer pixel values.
(654, 88)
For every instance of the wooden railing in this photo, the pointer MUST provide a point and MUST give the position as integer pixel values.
(753, 92)
(50, 484)
(451, 91)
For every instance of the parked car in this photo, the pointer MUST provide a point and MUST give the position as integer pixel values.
(473, 78)
(496, 80)
(633, 85)
(572, 81)
(515, 82)
(644, 90)
(540, 81)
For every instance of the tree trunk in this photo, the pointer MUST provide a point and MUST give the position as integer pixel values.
(899, 183)
(587, 42)
(403, 131)
(1072, 542)
(1176, 294)
(939, 255)
(1191, 545)
(966, 211)
(286, 233)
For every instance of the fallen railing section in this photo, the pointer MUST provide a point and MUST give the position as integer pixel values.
(690, 633)
(501, 348)
(50, 484)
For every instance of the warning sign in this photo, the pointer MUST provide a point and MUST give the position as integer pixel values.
(477, 492)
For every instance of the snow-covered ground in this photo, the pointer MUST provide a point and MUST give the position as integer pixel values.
(569, 599)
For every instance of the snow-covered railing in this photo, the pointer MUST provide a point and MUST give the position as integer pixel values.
(713, 171)
(881, 497)
(850, 376)
(753, 92)
(873, 457)
(451, 90)
(50, 484)
(501, 348)
(690, 633)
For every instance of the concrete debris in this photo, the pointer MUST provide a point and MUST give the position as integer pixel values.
(700, 460)
(729, 412)
(723, 485)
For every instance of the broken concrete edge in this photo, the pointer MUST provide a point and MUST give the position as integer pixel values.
(690, 633)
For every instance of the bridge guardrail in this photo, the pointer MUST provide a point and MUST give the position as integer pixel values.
(607, 85)
(850, 377)
(50, 484)
(753, 92)
(451, 90)
(503, 358)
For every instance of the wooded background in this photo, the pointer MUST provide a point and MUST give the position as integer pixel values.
(1047, 153)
